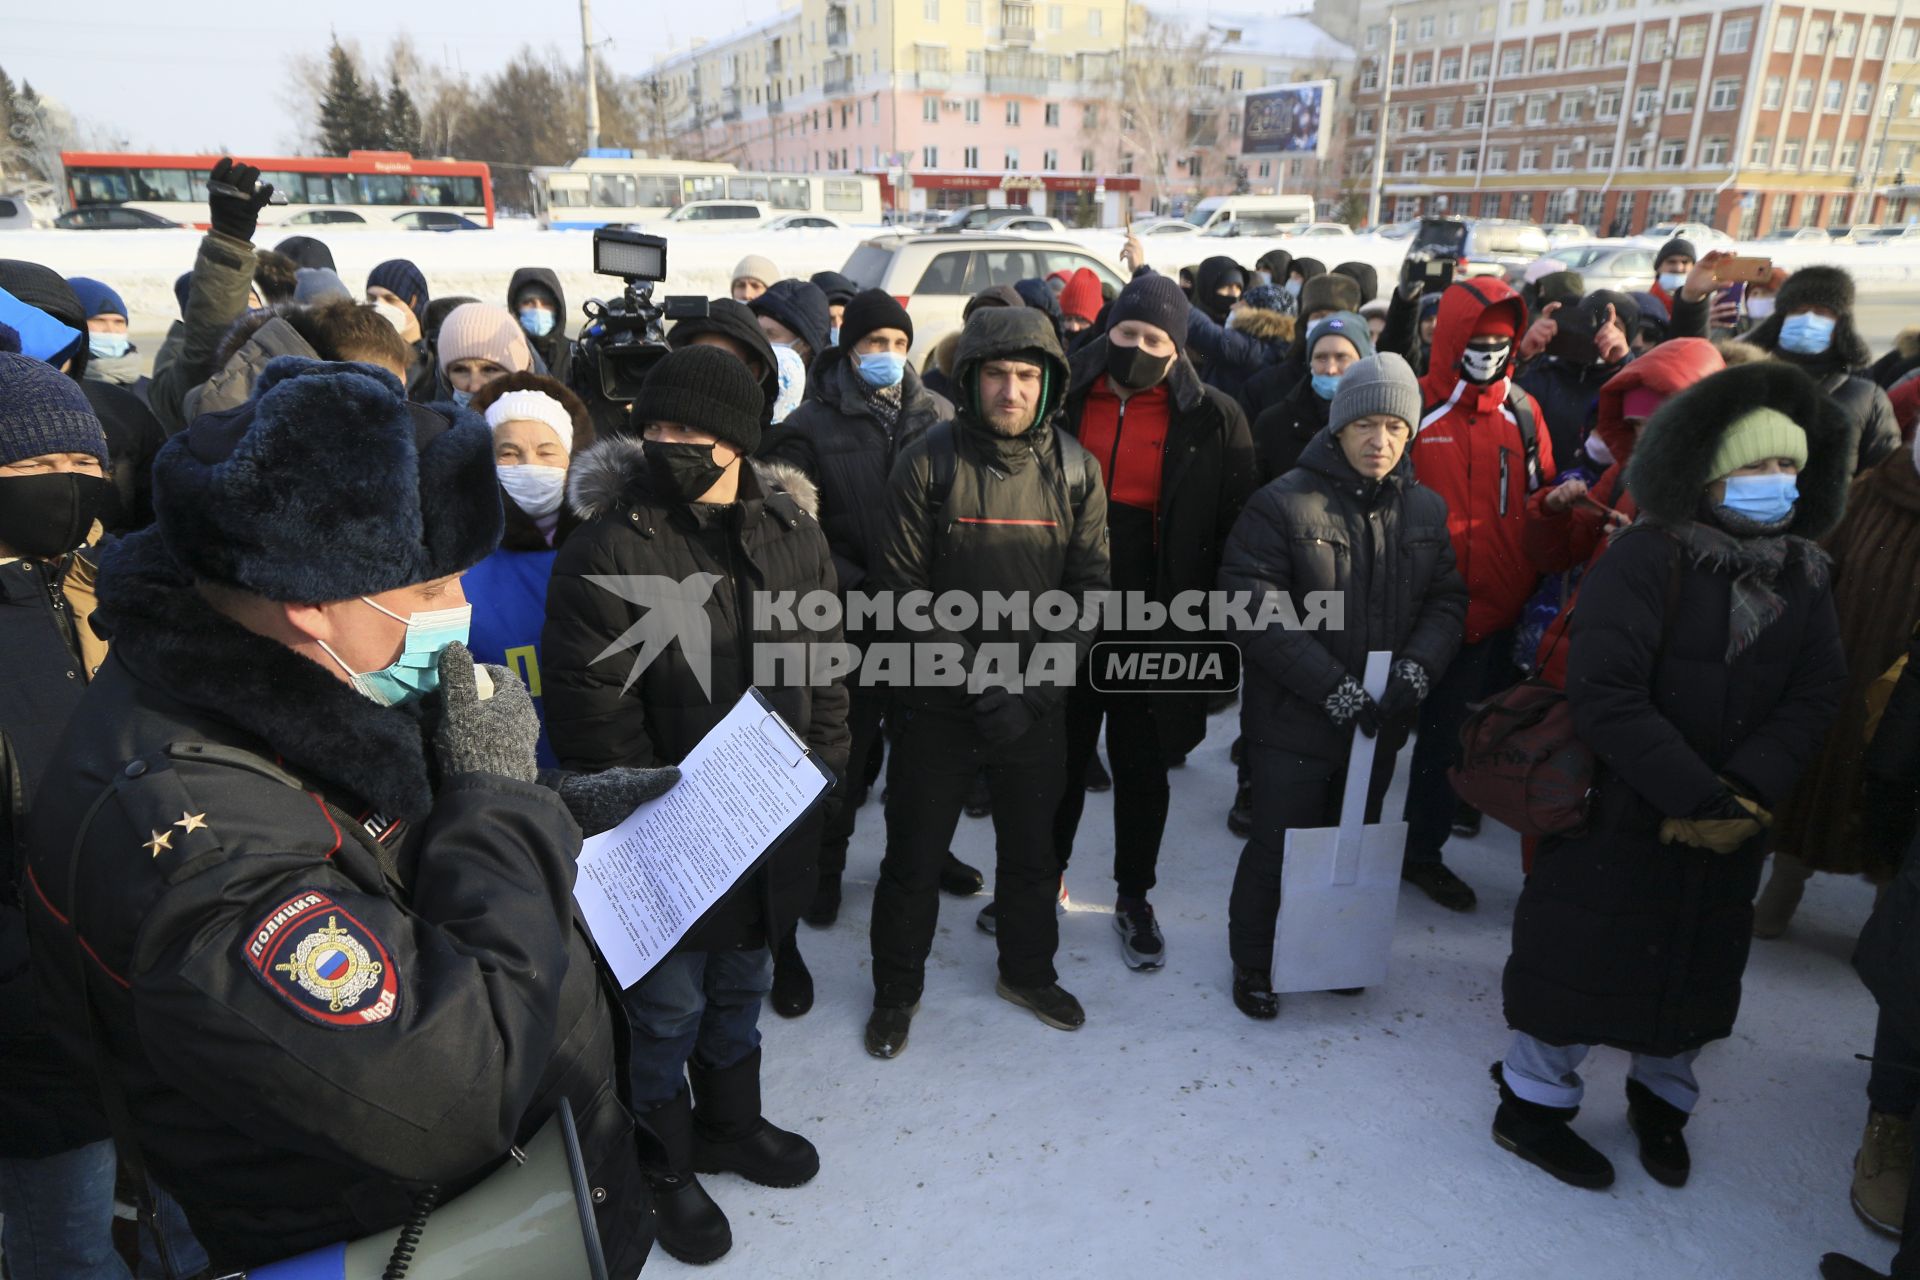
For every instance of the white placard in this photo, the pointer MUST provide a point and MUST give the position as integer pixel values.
(643, 884)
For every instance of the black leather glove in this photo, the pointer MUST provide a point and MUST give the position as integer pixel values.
(1001, 717)
(601, 801)
(235, 196)
(1406, 690)
(1349, 704)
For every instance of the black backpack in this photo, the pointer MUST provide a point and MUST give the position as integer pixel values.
(943, 460)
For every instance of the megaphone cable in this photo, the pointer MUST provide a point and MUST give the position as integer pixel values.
(409, 1242)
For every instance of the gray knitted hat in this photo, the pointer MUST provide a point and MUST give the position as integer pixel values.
(1378, 384)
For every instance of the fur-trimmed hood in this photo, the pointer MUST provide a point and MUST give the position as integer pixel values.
(1268, 326)
(1907, 343)
(945, 352)
(1669, 467)
(614, 475)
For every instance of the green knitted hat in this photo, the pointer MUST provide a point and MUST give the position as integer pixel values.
(1754, 436)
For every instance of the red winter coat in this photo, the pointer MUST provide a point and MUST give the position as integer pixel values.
(1470, 452)
(1556, 542)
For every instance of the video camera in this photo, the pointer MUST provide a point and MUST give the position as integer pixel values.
(626, 335)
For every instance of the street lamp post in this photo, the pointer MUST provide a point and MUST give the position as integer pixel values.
(1380, 133)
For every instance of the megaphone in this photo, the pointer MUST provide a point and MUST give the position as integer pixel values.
(532, 1219)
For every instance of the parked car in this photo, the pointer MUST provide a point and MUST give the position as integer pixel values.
(14, 214)
(1626, 267)
(736, 213)
(934, 275)
(1164, 227)
(1796, 235)
(1702, 236)
(435, 220)
(1858, 233)
(111, 217)
(1028, 222)
(1317, 230)
(1567, 233)
(978, 217)
(1477, 246)
(324, 218)
(1883, 235)
(805, 222)
(1398, 230)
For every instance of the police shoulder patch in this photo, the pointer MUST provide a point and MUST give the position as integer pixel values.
(318, 958)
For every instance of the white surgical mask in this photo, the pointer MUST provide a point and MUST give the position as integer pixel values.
(394, 314)
(1759, 308)
(534, 489)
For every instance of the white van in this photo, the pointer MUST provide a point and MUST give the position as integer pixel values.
(1260, 215)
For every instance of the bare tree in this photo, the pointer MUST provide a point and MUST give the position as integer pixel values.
(1165, 110)
(37, 131)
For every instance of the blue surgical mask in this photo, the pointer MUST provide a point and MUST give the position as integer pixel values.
(1292, 288)
(1325, 384)
(793, 381)
(1263, 277)
(1806, 334)
(537, 321)
(109, 346)
(462, 398)
(881, 368)
(416, 672)
(1765, 499)
(833, 336)
(1672, 280)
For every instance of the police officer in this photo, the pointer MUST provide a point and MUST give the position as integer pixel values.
(292, 884)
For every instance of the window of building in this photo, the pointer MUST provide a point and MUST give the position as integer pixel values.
(930, 110)
(1816, 37)
(1537, 111)
(973, 111)
(1546, 56)
(1913, 106)
(929, 9)
(1836, 92)
(973, 12)
(1011, 158)
(1693, 41)
(1570, 109)
(1877, 41)
(1478, 66)
(1449, 69)
(1619, 48)
(1364, 122)
(1600, 157)
(1607, 105)
(1423, 72)
(1646, 101)
(1726, 95)
(1056, 17)
(1375, 35)
(1714, 151)
(1821, 156)
(929, 157)
(1469, 160)
(1681, 96)
(1790, 153)
(1846, 38)
(1529, 159)
(1437, 163)
(1579, 53)
(1511, 59)
(1484, 20)
(1052, 115)
(1653, 46)
(976, 62)
(1760, 151)
(1909, 40)
(1863, 96)
(1086, 162)
(1370, 76)
(1562, 158)
(1013, 113)
(1773, 92)
(1050, 160)
(1517, 13)
(1785, 32)
(1503, 111)
(1399, 76)
(1416, 119)
(1850, 153)
(1634, 157)
(1424, 31)
(1474, 111)
(1443, 116)
(1736, 35)
(1497, 160)
(1093, 22)
(1453, 25)
(1672, 151)
(1803, 94)
(1266, 168)
(970, 157)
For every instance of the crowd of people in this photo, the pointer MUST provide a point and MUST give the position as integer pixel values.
(314, 683)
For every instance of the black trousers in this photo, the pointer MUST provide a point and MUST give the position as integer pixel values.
(1477, 670)
(1140, 789)
(933, 760)
(1289, 790)
(864, 711)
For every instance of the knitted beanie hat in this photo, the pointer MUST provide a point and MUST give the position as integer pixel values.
(1081, 295)
(1156, 300)
(1346, 324)
(1755, 436)
(1378, 384)
(314, 285)
(756, 267)
(1265, 297)
(97, 298)
(403, 280)
(706, 389)
(482, 331)
(873, 309)
(1676, 248)
(42, 410)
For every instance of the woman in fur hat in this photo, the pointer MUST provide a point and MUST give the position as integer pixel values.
(1812, 327)
(1705, 665)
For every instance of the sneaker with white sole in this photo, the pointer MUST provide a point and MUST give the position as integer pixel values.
(1141, 944)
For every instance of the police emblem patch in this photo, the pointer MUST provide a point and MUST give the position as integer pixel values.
(318, 958)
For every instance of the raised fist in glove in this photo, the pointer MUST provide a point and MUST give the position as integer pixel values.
(1350, 704)
(235, 196)
(1002, 717)
(1406, 690)
(601, 801)
(494, 736)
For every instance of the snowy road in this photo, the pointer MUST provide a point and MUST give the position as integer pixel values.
(1349, 1139)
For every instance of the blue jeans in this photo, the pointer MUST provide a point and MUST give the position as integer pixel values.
(704, 1002)
(59, 1216)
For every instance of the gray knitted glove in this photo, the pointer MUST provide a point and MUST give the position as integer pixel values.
(495, 736)
(601, 801)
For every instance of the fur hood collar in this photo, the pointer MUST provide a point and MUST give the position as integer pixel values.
(614, 476)
(177, 644)
(1668, 469)
(1268, 326)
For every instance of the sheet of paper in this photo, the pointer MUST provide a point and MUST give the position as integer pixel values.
(643, 884)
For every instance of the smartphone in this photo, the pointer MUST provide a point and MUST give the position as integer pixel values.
(1573, 333)
(1439, 274)
(1743, 270)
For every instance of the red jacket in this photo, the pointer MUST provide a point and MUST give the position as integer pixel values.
(1558, 541)
(1470, 452)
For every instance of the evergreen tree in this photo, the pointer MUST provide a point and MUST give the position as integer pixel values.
(401, 124)
(6, 107)
(351, 115)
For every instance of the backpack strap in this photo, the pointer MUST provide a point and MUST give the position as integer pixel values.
(1080, 468)
(943, 460)
(1522, 408)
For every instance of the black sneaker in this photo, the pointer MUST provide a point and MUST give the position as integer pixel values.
(887, 1028)
(1253, 994)
(959, 879)
(1240, 817)
(979, 801)
(1466, 820)
(1141, 944)
(1542, 1136)
(825, 907)
(1440, 884)
(1051, 1004)
(792, 982)
(1657, 1123)
(1098, 779)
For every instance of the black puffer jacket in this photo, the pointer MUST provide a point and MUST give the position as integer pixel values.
(1381, 548)
(835, 438)
(1285, 428)
(767, 541)
(1206, 476)
(324, 980)
(1888, 955)
(555, 350)
(46, 1096)
(1620, 939)
(1009, 523)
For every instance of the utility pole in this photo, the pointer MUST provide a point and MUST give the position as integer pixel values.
(1380, 132)
(593, 84)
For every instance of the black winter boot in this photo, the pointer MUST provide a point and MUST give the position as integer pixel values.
(887, 1028)
(691, 1226)
(792, 980)
(731, 1136)
(1253, 994)
(960, 879)
(1540, 1135)
(825, 907)
(1657, 1123)
(1838, 1266)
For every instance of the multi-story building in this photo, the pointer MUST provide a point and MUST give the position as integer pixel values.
(952, 102)
(1619, 113)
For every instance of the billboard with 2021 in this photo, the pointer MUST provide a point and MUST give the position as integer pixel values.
(1290, 118)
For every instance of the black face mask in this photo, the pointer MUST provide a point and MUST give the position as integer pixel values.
(682, 471)
(49, 515)
(1134, 369)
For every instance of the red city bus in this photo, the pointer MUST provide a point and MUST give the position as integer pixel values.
(371, 188)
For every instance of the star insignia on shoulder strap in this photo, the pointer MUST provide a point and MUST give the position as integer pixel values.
(192, 822)
(162, 841)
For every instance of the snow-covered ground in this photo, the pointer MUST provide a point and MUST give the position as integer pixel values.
(1349, 1139)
